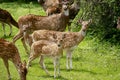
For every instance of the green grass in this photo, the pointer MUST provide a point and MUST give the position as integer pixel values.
(92, 60)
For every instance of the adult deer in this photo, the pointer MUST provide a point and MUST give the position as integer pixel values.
(57, 22)
(8, 51)
(54, 7)
(71, 39)
(6, 18)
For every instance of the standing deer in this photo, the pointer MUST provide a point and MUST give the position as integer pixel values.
(71, 39)
(6, 18)
(57, 22)
(47, 48)
(8, 51)
(54, 7)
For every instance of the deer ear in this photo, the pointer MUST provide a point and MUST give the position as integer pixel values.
(54, 36)
(80, 21)
(90, 20)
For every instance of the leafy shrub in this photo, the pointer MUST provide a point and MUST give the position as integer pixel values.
(104, 14)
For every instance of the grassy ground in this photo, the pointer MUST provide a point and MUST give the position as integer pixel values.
(92, 60)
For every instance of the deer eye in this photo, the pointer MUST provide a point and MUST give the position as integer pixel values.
(61, 40)
(59, 45)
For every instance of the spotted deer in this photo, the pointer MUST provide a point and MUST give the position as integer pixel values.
(70, 40)
(54, 7)
(6, 18)
(47, 48)
(57, 22)
(8, 51)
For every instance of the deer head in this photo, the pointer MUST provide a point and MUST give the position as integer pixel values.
(65, 7)
(59, 39)
(22, 70)
(84, 24)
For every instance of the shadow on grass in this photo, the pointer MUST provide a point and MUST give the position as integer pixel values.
(52, 77)
(87, 71)
(77, 59)
(81, 70)
(75, 70)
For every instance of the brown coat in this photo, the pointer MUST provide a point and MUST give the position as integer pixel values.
(8, 51)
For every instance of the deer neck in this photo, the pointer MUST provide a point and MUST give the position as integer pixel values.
(27, 36)
(14, 23)
(24, 78)
(17, 62)
(65, 13)
(64, 19)
(82, 32)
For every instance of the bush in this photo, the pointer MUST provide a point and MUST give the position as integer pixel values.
(104, 14)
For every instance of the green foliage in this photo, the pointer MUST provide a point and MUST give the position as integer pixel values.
(104, 14)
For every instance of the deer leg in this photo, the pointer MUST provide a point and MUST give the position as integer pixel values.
(58, 64)
(67, 62)
(41, 61)
(10, 29)
(3, 26)
(17, 36)
(31, 58)
(56, 67)
(69, 59)
(25, 46)
(43, 65)
(7, 67)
